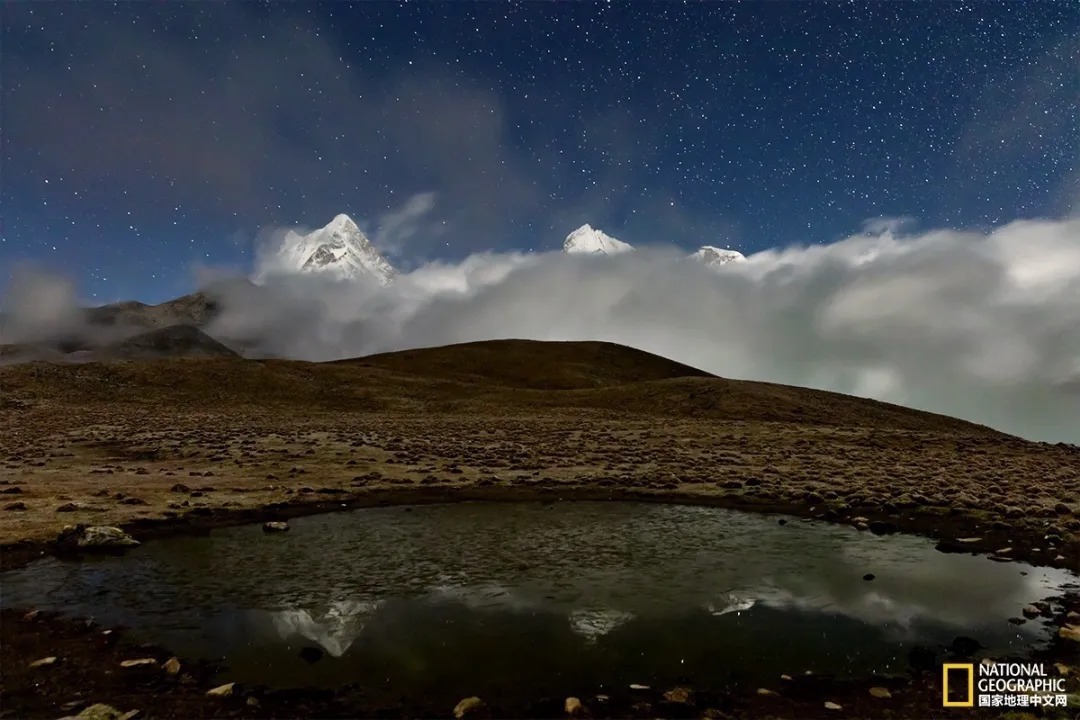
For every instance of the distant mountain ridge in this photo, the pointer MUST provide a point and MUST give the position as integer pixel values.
(587, 240)
(340, 250)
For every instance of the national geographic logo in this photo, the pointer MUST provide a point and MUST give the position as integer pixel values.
(991, 684)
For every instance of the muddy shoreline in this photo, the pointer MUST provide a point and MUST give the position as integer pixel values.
(90, 660)
(981, 534)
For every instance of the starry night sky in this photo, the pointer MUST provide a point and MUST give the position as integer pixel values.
(144, 139)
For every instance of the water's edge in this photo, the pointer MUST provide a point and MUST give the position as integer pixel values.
(947, 526)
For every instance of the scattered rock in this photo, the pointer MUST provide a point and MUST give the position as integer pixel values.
(766, 691)
(832, 706)
(1069, 632)
(69, 507)
(44, 662)
(785, 677)
(880, 692)
(868, 576)
(636, 686)
(573, 707)
(681, 695)
(275, 526)
(1062, 509)
(100, 711)
(1062, 669)
(179, 488)
(96, 537)
(15, 507)
(172, 666)
(1031, 612)
(880, 527)
(141, 662)
(225, 690)
(469, 707)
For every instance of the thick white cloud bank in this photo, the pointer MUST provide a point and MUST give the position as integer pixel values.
(982, 326)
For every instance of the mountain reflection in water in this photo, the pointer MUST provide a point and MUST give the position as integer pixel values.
(516, 598)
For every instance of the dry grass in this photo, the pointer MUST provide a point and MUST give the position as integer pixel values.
(102, 443)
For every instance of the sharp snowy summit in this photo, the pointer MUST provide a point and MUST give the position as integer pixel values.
(342, 251)
(715, 257)
(590, 241)
(339, 250)
(587, 240)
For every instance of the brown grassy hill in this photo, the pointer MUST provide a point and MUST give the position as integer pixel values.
(499, 377)
(194, 309)
(175, 341)
(531, 364)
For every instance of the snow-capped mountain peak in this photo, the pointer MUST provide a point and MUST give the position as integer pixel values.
(587, 240)
(339, 250)
(715, 257)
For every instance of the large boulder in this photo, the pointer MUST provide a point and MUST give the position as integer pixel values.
(95, 538)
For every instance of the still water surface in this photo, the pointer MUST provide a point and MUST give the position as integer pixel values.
(517, 600)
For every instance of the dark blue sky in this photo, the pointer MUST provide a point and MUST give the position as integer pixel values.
(143, 139)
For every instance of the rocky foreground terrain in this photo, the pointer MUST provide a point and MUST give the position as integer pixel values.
(177, 445)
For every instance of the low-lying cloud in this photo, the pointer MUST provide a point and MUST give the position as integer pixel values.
(982, 326)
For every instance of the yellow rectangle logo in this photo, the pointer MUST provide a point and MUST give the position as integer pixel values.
(969, 668)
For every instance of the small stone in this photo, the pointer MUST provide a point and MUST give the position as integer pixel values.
(681, 695)
(1069, 632)
(573, 707)
(868, 576)
(275, 526)
(31, 616)
(1062, 669)
(831, 706)
(100, 711)
(44, 662)
(172, 666)
(880, 692)
(138, 663)
(221, 690)
(1031, 612)
(635, 686)
(252, 702)
(469, 707)
(766, 691)
(786, 677)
